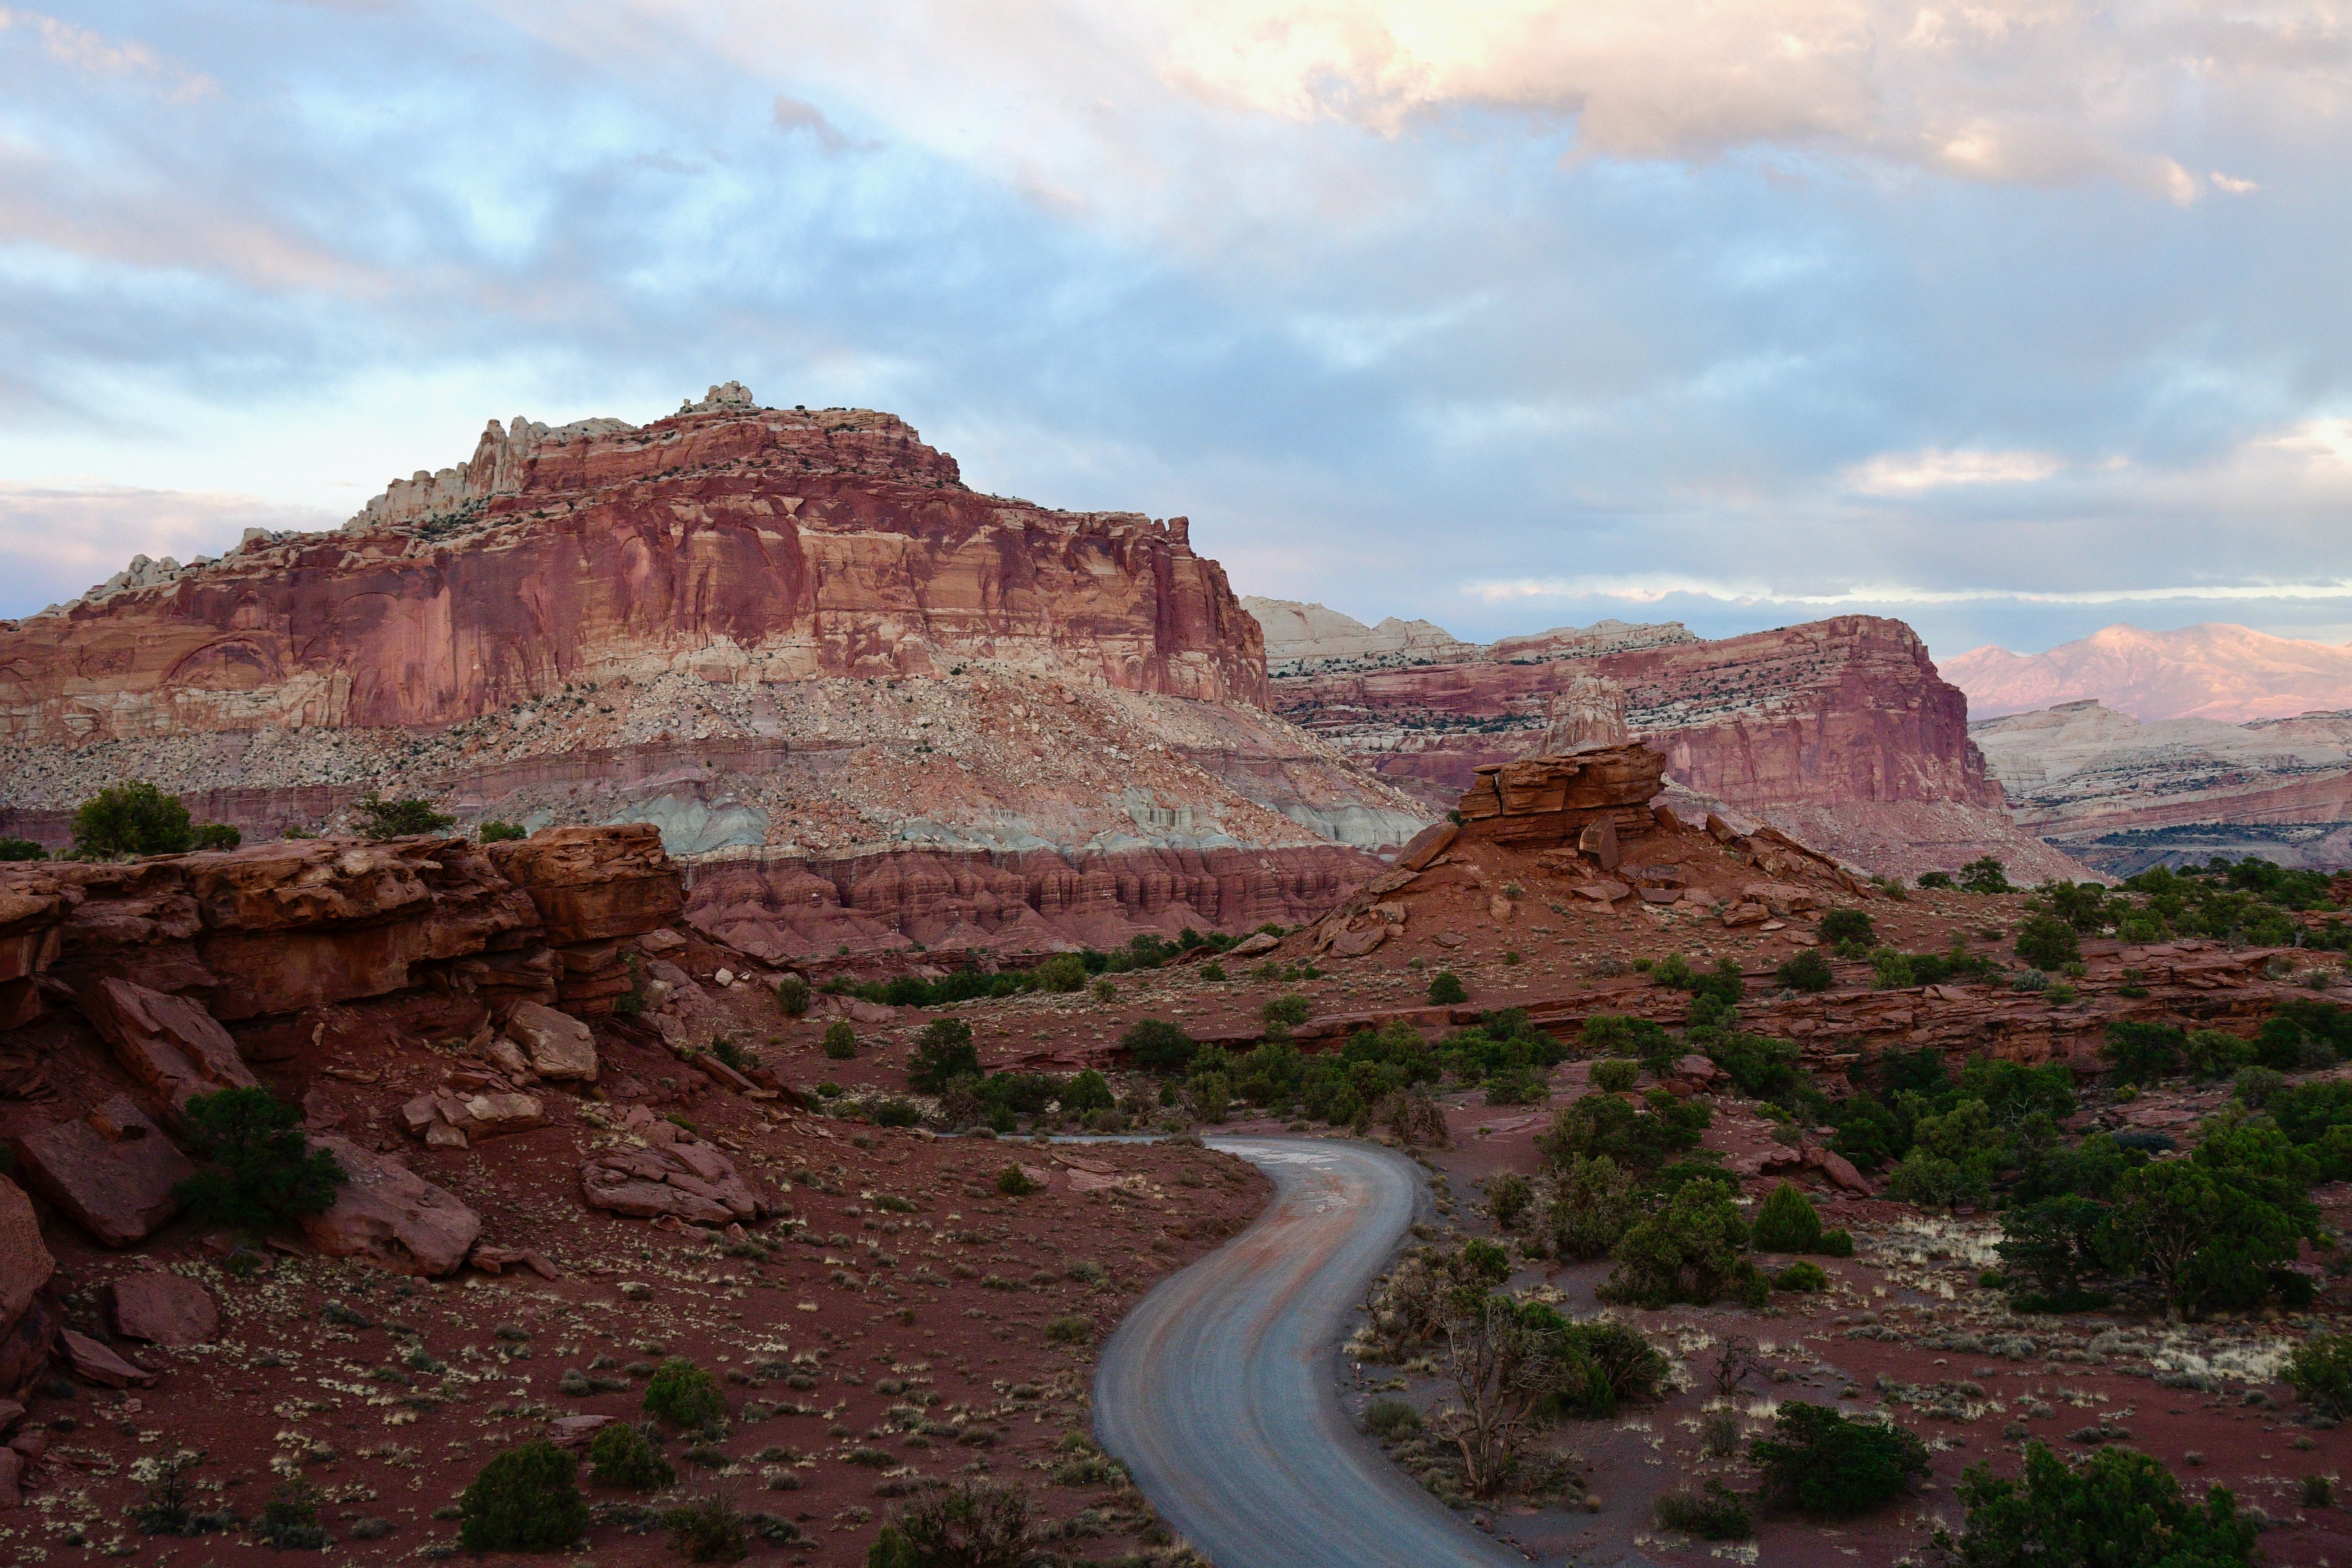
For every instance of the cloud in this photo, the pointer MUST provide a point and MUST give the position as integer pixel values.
(93, 54)
(2039, 91)
(792, 114)
(1911, 472)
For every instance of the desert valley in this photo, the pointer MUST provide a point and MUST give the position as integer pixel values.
(712, 956)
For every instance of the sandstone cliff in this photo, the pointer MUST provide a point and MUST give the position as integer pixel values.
(774, 633)
(1839, 731)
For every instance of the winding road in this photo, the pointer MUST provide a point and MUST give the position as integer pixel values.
(1217, 1392)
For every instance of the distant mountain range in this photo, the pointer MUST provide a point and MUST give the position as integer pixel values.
(2234, 674)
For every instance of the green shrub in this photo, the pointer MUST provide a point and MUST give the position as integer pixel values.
(1824, 1464)
(1088, 1091)
(621, 1455)
(2143, 1053)
(1105, 991)
(1157, 1046)
(1390, 1419)
(942, 1051)
(1507, 1198)
(1834, 1244)
(1615, 1034)
(2048, 942)
(2117, 1509)
(1608, 1124)
(1592, 1204)
(1013, 1183)
(1801, 1276)
(407, 817)
(289, 1519)
(707, 1530)
(491, 831)
(21, 849)
(1847, 925)
(1809, 971)
(1286, 1011)
(1445, 989)
(792, 997)
(1689, 1252)
(2253, 1087)
(1064, 972)
(896, 1112)
(2320, 1372)
(1714, 1514)
(1934, 878)
(2211, 1053)
(840, 1041)
(683, 1394)
(259, 1171)
(132, 817)
(1786, 1222)
(524, 1500)
(215, 836)
(1073, 1329)
(1615, 1075)
(972, 1524)
(1985, 874)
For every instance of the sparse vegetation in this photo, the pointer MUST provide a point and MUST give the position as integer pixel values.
(259, 1171)
(524, 1500)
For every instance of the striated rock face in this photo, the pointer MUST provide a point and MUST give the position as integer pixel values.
(744, 543)
(1012, 902)
(1539, 802)
(158, 949)
(1840, 731)
(1590, 712)
(765, 631)
(1301, 637)
(2124, 794)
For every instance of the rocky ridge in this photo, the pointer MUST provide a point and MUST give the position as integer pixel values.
(1840, 731)
(2228, 673)
(2122, 795)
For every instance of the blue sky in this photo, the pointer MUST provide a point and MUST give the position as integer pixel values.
(2013, 320)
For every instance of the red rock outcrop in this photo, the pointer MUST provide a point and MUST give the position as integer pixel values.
(747, 543)
(1840, 731)
(780, 909)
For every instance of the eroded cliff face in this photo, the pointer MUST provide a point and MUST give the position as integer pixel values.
(1840, 731)
(733, 543)
(1836, 711)
(776, 635)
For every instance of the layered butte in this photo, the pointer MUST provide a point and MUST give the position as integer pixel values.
(1840, 731)
(784, 636)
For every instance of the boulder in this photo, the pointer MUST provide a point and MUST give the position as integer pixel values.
(25, 1261)
(168, 1043)
(391, 1217)
(112, 1172)
(558, 1044)
(1838, 1169)
(1598, 838)
(93, 1363)
(1427, 845)
(1357, 943)
(691, 1181)
(164, 1310)
(1746, 915)
(594, 883)
(1259, 942)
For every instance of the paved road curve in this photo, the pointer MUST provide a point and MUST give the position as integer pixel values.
(1216, 1393)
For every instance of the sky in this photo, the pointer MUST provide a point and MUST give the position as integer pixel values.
(2012, 319)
